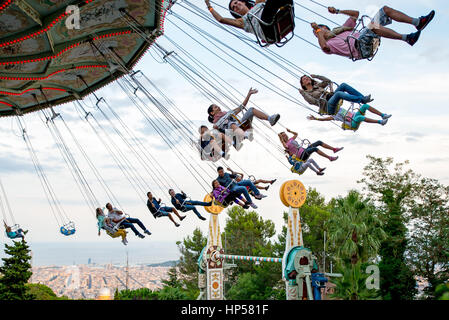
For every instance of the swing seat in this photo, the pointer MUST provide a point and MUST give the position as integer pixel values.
(14, 229)
(68, 229)
(283, 24)
(187, 199)
(346, 126)
(368, 46)
(323, 101)
(292, 169)
(157, 214)
(243, 125)
(116, 234)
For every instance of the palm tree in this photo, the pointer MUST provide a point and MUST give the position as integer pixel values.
(355, 231)
(355, 234)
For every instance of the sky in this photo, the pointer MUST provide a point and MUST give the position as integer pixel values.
(408, 82)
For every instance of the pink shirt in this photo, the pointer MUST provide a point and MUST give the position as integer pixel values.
(338, 44)
(294, 148)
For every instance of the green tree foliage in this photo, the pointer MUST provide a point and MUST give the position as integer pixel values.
(173, 280)
(429, 243)
(15, 272)
(393, 189)
(169, 293)
(355, 235)
(42, 292)
(352, 286)
(442, 291)
(190, 250)
(137, 294)
(355, 231)
(246, 233)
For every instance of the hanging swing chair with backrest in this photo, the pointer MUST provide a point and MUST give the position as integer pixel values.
(305, 143)
(229, 199)
(112, 230)
(368, 46)
(209, 156)
(157, 213)
(283, 24)
(349, 117)
(4, 206)
(13, 234)
(324, 98)
(246, 125)
(68, 229)
(187, 199)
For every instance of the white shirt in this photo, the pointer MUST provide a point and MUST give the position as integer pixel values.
(114, 215)
(251, 21)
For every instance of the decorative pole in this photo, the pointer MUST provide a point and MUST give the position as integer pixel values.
(298, 261)
(212, 256)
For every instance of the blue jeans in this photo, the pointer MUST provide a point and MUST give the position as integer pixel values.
(345, 92)
(188, 207)
(129, 223)
(196, 203)
(240, 188)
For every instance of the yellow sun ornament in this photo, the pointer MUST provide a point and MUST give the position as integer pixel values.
(293, 194)
(214, 209)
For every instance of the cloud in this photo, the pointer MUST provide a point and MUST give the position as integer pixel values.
(358, 140)
(14, 164)
(436, 159)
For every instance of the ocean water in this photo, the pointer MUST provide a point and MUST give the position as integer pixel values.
(69, 253)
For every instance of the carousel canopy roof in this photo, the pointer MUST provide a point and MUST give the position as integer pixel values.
(45, 60)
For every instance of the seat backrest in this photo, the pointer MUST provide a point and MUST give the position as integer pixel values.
(284, 21)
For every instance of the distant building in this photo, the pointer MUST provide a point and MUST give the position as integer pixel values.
(89, 261)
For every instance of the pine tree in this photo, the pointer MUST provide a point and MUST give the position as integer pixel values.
(15, 272)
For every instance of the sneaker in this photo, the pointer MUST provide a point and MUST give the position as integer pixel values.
(367, 99)
(338, 149)
(273, 181)
(246, 206)
(322, 169)
(273, 119)
(202, 218)
(25, 231)
(266, 188)
(124, 242)
(141, 236)
(182, 218)
(260, 196)
(177, 224)
(424, 20)
(148, 232)
(320, 173)
(383, 122)
(252, 205)
(386, 116)
(226, 155)
(333, 158)
(412, 38)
